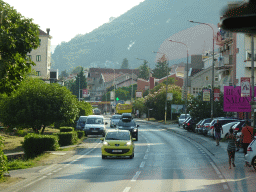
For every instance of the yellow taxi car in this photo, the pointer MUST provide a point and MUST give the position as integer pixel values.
(117, 143)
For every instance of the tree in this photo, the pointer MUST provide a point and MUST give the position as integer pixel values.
(156, 101)
(80, 79)
(138, 104)
(36, 104)
(144, 70)
(63, 74)
(18, 36)
(77, 70)
(125, 64)
(161, 68)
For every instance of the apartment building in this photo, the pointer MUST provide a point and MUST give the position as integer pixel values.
(42, 55)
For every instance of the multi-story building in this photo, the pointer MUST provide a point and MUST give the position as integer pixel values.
(42, 55)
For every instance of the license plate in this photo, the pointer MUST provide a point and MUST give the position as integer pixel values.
(95, 131)
(116, 151)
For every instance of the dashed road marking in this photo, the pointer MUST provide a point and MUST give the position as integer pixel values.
(146, 156)
(35, 181)
(135, 177)
(142, 164)
(127, 189)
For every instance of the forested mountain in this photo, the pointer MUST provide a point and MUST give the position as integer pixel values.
(135, 34)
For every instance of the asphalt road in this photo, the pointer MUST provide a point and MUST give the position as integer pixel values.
(163, 162)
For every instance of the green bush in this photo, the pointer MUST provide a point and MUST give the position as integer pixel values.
(80, 134)
(67, 138)
(66, 129)
(3, 160)
(35, 144)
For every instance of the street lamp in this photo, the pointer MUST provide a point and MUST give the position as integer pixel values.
(212, 95)
(186, 104)
(79, 89)
(165, 108)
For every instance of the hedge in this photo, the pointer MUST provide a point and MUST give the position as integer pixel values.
(66, 129)
(35, 144)
(67, 138)
(3, 160)
(80, 134)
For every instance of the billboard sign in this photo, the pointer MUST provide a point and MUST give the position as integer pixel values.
(85, 93)
(245, 87)
(139, 94)
(233, 102)
(206, 94)
(216, 95)
(177, 108)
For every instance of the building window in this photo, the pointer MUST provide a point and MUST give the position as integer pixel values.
(38, 73)
(39, 42)
(216, 78)
(38, 58)
(206, 78)
(29, 57)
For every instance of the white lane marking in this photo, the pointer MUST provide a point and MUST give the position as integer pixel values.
(35, 181)
(215, 168)
(42, 170)
(142, 164)
(146, 156)
(225, 186)
(49, 174)
(135, 177)
(127, 189)
(147, 151)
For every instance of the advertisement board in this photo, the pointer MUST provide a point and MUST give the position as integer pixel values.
(233, 102)
(245, 87)
(177, 108)
(139, 94)
(206, 94)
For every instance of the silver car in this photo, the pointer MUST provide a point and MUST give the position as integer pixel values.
(114, 120)
(182, 118)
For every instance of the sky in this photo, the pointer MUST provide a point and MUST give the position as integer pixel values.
(66, 19)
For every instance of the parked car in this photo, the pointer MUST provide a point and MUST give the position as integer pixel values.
(250, 157)
(226, 128)
(130, 125)
(95, 125)
(117, 143)
(201, 125)
(206, 128)
(190, 124)
(239, 125)
(222, 121)
(185, 122)
(197, 126)
(114, 120)
(81, 122)
(182, 118)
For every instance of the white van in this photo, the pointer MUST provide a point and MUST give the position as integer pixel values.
(95, 125)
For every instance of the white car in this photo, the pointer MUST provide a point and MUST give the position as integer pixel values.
(250, 157)
(182, 118)
(226, 128)
(95, 125)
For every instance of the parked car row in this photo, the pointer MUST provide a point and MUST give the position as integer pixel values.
(205, 126)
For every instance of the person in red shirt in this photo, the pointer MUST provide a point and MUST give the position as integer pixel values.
(247, 136)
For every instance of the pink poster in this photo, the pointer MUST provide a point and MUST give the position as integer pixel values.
(233, 102)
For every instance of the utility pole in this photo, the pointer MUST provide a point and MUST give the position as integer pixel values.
(252, 74)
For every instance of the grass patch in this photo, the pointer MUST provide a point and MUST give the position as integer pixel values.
(7, 181)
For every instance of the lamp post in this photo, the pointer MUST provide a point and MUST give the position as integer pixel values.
(186, 101)
(212, 95)
(165, 108)
(132, 86)
(79, 90)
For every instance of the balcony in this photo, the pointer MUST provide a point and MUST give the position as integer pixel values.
(224, 62)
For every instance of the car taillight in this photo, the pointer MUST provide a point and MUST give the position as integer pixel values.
(212, 127)
(188, 124)
(236, 129)
(249, 149)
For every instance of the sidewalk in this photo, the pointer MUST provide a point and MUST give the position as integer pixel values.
(239, 178)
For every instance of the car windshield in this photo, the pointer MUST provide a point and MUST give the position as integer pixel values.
(127, 124)
(94, 121)
(182, 116)
(117, 117)
(118, 136)
(82, 119)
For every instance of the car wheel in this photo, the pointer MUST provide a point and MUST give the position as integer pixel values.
(131, 156)
(137, 138)
(104, 157)
(254, 162)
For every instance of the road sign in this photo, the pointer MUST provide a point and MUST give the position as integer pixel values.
(169, 96)
(112, 95)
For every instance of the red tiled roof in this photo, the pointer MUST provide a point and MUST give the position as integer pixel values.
(41, 32)
(110, 76)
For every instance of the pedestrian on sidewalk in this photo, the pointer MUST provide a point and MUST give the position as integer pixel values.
(247, 136)
(218, 129)
(231, 147)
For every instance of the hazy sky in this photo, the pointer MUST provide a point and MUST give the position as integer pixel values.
(66, 18)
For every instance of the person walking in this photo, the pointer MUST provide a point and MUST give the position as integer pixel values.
(218, 129)
(231, 149)
(247, 136)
